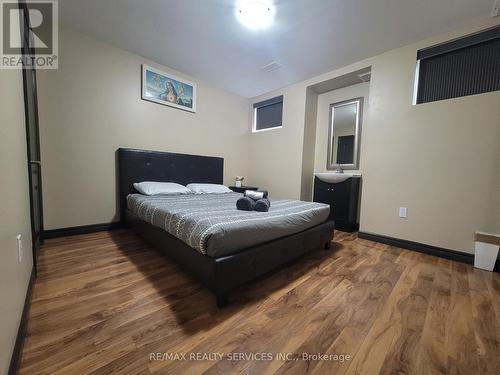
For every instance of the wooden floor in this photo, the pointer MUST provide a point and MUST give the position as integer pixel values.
(107, 303)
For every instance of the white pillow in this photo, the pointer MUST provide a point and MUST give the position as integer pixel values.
(208, 188)
(156, 188)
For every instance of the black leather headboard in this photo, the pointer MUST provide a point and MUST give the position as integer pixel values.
(144, 165)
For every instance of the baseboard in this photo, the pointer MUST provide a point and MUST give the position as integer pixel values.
(423, 248)
(15, 360)
(84, 229)
(345, 226)
(420, 247)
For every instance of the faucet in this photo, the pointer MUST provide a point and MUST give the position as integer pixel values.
(339, 169)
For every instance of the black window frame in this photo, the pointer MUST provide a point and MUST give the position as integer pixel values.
(277, 100)
(451, 55)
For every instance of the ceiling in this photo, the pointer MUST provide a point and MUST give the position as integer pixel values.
(202, 38)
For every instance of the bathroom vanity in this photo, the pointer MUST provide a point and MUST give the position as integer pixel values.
(341, 192)
(338, 189)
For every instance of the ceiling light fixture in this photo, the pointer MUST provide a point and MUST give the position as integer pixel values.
(255, 14)
(271, 67)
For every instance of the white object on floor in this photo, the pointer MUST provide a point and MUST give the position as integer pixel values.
(485, 255)
(495, 11)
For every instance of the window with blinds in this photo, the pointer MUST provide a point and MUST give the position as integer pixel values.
(462, 67)
(268, 114)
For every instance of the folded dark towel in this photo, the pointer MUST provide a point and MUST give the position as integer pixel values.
(256, 195)
(262, 205)
(245, 204)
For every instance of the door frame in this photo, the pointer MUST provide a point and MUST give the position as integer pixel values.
(26, 49)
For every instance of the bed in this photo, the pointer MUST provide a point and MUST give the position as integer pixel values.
(220, 246)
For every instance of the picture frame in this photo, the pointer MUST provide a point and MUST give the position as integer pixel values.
(167, 89)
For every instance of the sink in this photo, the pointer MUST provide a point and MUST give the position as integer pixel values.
(333, 177)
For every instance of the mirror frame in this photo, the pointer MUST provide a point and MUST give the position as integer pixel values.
(357, 136)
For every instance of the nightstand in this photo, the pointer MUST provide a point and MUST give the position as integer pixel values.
(242, 188)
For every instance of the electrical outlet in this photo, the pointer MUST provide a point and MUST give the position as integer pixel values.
(19, 249)
(403, 212)
(495, 12)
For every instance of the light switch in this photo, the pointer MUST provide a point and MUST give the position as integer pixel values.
(403, 212)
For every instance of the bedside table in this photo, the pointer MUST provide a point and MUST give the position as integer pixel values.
(242, 189)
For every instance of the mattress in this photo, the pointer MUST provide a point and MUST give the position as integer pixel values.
(211, 224)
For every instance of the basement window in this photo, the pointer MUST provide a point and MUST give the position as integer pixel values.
(268, 114)
(461, 67)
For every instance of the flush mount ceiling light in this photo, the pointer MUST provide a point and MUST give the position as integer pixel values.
(255, 14)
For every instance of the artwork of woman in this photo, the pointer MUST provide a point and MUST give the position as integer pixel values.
(162, 88)
(170, 94)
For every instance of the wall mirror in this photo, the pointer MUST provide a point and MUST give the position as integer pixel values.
(344, 134)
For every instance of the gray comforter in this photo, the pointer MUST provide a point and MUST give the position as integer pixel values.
(211, 224)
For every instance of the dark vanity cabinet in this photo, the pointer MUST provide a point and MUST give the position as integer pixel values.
(343, 198)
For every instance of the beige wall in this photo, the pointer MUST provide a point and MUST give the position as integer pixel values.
(91, 106)
(15, 214)
(323, 120)
(438, 159)
(276, 154)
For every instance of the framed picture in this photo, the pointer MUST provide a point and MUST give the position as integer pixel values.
(167, 89)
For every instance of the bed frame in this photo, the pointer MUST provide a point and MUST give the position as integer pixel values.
(219, 275)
